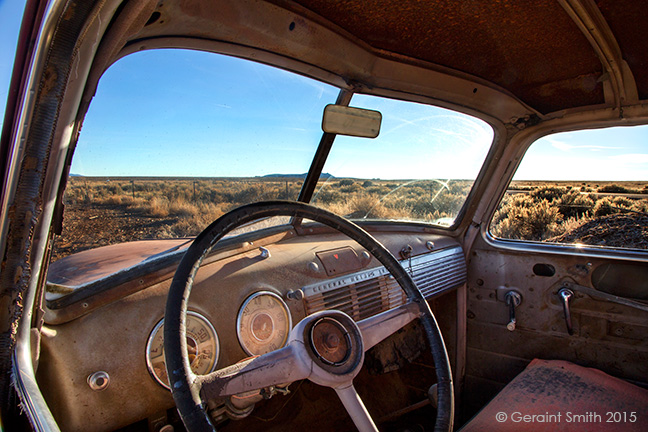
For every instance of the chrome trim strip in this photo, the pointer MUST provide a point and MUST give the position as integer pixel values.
(24, 378)
(31, 399)
(374, 290)
(586, 251)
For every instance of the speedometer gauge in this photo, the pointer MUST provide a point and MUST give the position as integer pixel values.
(263, 323)
(202, 348)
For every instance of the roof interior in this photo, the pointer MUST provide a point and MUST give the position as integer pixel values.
(532, 49)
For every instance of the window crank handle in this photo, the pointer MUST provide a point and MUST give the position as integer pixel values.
(513, 300)
(565, 295)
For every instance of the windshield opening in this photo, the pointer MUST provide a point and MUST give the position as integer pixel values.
(175, 138)
(421, 167)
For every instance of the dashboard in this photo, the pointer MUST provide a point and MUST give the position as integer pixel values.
(102, 340)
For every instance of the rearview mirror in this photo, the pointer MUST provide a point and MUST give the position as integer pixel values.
(358, 122)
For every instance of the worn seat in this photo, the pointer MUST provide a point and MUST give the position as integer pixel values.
(554, 395)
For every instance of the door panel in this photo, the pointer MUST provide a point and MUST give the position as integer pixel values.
(606, 335)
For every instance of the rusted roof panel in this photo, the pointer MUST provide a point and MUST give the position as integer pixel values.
(532, 49)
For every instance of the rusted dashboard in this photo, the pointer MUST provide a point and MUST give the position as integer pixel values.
(101, 347)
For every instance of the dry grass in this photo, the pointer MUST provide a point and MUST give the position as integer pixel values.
(539, 211)
(417, 200)
(550, 211)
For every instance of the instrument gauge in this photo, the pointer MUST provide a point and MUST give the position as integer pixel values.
(263, 323)
(202, 348)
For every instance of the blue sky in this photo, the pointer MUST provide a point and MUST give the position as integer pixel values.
(619, 153)
(219, 116)
(10, 15)
(181, 113)
(416, 141)
(199, 107)
(272, 119)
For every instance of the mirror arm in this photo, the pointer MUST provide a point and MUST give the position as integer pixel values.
(323, 149)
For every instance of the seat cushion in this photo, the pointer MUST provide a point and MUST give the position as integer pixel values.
(555, 395)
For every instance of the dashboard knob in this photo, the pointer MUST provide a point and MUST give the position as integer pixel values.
(99, 381)
(295, 295)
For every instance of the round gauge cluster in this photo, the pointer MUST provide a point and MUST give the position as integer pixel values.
(202, 348)
(263, 323)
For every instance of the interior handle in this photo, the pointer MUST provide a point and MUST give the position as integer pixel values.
(598, 295)
(513, 300)
(565, 295)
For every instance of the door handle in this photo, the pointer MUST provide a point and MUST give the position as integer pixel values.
(566, 295)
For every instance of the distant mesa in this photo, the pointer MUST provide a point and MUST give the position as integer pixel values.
(301, 176)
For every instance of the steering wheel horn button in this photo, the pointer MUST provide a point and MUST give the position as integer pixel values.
(330, 341)
(334, 343)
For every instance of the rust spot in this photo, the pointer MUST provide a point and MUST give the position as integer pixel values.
(49, 81)
(69, 12)
(31, 163)
(18, 275)
(28, 217)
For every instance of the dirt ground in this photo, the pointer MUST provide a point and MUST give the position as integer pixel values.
(90, 226)
(627, 230)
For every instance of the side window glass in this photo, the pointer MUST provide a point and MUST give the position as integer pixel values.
(585, 187)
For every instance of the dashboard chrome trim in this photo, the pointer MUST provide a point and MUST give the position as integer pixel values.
(368, 292)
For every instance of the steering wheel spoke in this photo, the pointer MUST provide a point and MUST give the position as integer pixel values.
(356, 409)
(283, 366)
(378, 327)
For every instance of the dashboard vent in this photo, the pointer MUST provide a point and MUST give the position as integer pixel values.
(369, 292)
(437, 272)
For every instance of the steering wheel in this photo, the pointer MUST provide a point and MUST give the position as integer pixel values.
(326, 347)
